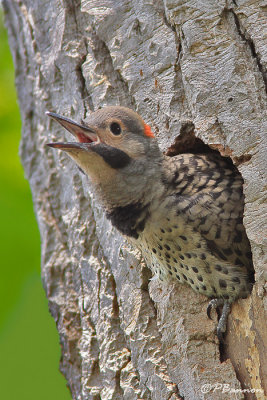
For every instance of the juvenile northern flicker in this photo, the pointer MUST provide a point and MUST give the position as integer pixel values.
(185, 213)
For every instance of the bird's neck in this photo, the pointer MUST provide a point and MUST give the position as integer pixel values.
(129, 200)
(131, 219)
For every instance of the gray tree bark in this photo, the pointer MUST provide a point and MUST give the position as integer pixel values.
(176, 63)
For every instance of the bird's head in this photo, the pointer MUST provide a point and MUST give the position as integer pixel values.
(116, 149)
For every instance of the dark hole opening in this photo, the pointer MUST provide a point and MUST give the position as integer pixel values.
(187, 142)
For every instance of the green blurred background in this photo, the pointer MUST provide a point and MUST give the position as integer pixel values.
(29, 343)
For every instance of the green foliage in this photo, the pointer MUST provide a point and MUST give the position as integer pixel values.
(28, 338)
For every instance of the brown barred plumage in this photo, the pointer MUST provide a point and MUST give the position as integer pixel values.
(185, 212)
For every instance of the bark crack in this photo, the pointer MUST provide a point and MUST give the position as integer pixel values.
(115, 322)
(77, 15)
(118, 388)
(176, 38)
(178, 84)
(114, 75)
(86, 98)
(248, 40)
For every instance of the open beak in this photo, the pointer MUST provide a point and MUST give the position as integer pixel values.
(84, 134)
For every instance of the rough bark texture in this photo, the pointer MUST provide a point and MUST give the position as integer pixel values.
(175, 62)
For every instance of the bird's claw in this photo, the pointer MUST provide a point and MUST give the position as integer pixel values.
(213, 304)
(221, 327)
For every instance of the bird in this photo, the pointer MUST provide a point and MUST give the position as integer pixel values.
(185, 213)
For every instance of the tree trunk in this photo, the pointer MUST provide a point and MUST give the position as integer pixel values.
(177, 63)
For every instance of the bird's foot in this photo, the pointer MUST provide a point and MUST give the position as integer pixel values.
(221, 327)
(213, 305)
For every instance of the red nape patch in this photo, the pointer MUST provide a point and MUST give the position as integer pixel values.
(148, 131)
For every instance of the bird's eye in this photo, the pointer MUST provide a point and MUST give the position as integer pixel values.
(115, 128)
